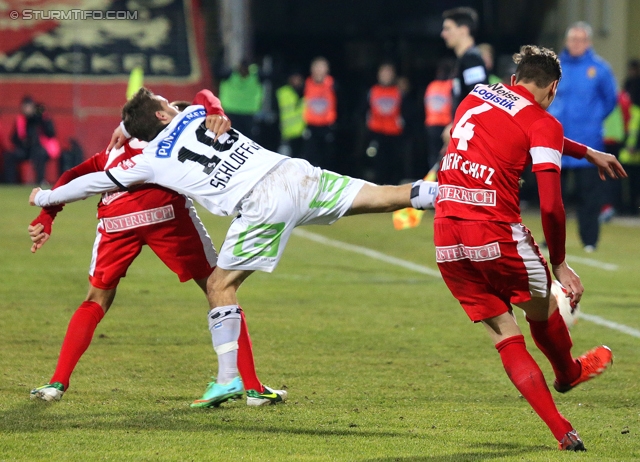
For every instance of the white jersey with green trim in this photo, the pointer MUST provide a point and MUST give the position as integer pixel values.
(184, 157)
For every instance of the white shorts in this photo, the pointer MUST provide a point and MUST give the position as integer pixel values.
(293, 194)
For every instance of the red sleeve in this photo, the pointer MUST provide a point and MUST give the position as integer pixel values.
(552, 214)
(545, 148)
(574, 149)
(210, 102)
(95, 163)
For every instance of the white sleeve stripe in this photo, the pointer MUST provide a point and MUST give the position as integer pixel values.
(542, 155)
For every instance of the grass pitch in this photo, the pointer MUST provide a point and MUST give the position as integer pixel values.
(380, 362)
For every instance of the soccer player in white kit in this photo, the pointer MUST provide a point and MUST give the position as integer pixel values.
(232, 175)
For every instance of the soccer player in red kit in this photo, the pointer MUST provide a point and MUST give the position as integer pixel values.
(150, 215)
(487, 257)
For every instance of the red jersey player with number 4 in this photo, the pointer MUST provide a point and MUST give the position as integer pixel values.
(487, 257)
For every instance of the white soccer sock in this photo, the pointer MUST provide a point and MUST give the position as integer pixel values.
(224, 324)
(423, 194)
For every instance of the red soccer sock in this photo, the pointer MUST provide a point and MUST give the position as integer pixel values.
(528, 379)
(553, 339)
(246, 367)
(82, 325)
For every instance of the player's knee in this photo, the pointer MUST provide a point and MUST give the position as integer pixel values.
(103, 297)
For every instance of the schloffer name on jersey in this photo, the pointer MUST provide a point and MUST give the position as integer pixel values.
(454, 161)
(226, 169)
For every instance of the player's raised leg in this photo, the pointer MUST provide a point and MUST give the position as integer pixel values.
(79, 334)
(551, 336)
(378, 199)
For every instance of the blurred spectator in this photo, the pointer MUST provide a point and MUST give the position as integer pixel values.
(71, 156)
(290, 102)
(488, 56)
(385, 124)
(241, 96)
(586, 96)
(437, 111)
(320, 115)
(33, 139)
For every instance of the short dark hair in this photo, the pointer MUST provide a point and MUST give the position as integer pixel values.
(538, 65)
(139, 115)
(463, 16)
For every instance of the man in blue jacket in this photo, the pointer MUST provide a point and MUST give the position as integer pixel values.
(586, 95)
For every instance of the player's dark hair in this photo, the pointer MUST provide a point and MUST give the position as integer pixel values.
(538, 65)
(463, 16)
(139, 115)
(181, 105)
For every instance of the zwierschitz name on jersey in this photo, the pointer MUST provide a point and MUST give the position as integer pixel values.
(184, 157)
(497, 131)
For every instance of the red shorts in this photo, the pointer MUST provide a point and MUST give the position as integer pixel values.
(488, 266)
(174, 232)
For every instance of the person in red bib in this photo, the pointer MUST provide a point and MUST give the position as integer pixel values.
(487, 257)
(437, 111)
(386, 126)
(320, 115)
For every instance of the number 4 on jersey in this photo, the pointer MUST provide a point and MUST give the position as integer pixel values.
(463, 130)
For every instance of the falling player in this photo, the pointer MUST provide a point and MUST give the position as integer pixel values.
(150, 215)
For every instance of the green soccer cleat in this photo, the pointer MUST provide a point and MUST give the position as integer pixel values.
(49, 392)
(216, 393)
(269, 396)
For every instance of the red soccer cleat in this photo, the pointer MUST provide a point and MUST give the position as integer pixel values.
(571, 442)
(593, 362)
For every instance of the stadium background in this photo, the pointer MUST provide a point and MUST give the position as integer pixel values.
(79, 68)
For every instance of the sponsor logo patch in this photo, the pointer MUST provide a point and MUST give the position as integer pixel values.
(138, 219)
(462, 252)
(479, 197)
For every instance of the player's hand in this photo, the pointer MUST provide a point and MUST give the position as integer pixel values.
(217, 124)
(38, 236)
(32, 196)
(117, 139)
(570, 280)
(607, 164)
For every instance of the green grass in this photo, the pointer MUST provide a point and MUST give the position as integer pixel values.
(381, 363)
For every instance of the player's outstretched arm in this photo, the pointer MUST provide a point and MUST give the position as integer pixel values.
(607, 164)
(80, 188)
(40, 228)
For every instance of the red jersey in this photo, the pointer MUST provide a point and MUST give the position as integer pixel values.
(498, 130)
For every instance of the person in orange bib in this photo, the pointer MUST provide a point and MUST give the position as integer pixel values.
(386, 126)
(320, 115)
